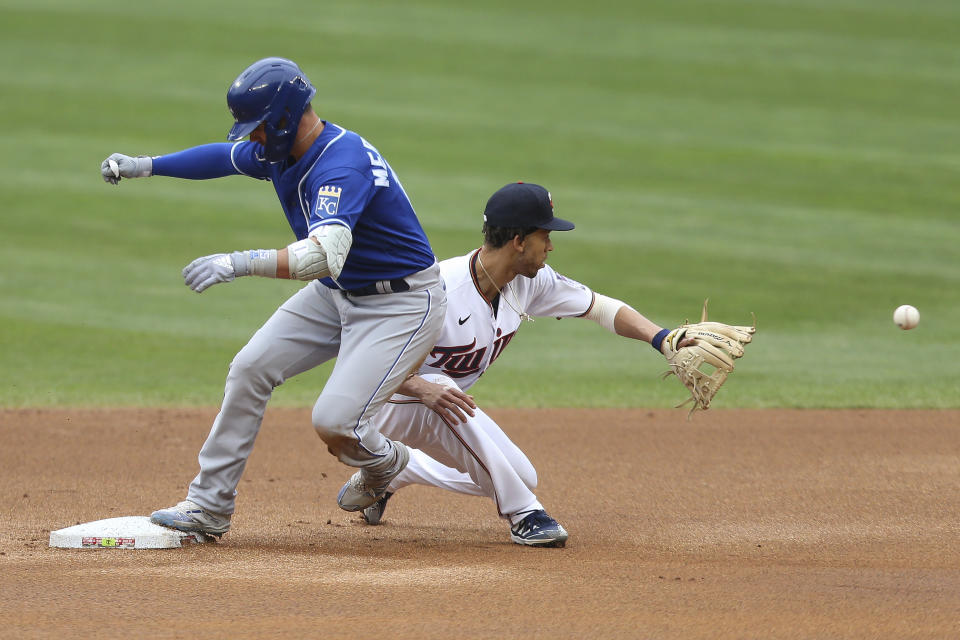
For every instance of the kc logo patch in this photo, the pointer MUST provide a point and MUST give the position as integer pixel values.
(328, 199)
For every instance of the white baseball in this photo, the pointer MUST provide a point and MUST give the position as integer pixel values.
(115, 168)
(906, 317)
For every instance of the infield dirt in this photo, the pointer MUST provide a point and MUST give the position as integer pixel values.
(737, 524)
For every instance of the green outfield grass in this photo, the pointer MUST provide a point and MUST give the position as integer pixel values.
(798, 160)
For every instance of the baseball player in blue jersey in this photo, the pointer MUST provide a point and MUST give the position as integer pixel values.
(374, 299)
(454, 444)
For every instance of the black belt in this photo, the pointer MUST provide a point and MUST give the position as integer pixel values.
(397, 285)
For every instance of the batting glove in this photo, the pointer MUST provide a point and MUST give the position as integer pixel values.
(118, 166)
(214, 269)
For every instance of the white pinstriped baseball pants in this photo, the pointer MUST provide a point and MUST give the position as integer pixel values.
(475, 458)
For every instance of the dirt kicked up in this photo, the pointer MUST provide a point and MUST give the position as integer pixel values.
(760, 524)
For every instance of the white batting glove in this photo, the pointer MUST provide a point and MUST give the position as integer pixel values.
(214, 269)
(118, 166)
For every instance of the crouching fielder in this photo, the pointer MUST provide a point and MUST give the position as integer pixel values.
(454, 444)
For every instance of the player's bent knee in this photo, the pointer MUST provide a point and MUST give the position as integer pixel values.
(337, 439)
(439, 378)
(333, 419)
(338, 444)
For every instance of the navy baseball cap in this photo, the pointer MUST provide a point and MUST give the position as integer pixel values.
(523, 204)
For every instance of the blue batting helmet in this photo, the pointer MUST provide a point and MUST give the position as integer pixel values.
(275, 92)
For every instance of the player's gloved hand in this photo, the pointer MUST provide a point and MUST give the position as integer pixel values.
(702, 355)
(118, 166)
(214, 269)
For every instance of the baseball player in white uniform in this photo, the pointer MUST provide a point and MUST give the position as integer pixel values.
(454, 444)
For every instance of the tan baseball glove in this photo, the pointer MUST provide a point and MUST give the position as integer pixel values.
(704, 365)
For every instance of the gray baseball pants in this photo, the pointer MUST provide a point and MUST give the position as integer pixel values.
(376, 339)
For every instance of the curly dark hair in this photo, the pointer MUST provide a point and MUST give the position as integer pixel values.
(496, 237)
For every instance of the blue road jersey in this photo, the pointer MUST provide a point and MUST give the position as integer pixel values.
(342, 179)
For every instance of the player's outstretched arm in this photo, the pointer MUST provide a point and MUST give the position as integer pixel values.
(622, 319)
(319, 256)
(686, 347)
(203, 162)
